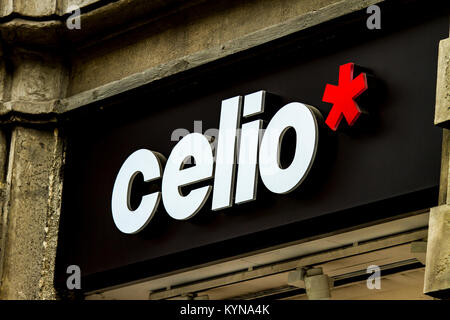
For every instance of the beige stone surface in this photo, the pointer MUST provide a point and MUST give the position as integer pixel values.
(3, 158)
(442, 112)
(39, 8)
(31, 8)
(35, 8)
(444, 192)
(4, 78)
(32, 83)
(210, 54)
(37, 77)
(31, 214)
(34, 25)
(6, 7)
(3, 165)
(195, 29)
(128, 39)
(140, 43)
(65, 5)
(44, 34)
(437, 271)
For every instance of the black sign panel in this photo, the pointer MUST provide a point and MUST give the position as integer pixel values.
(386, 165)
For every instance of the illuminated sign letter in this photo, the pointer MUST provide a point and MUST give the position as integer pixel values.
(149, 164)
(303, 120)
(179, 206)
(226, 153)
(247, 174)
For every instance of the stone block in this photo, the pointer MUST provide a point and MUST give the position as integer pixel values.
(442, 113)
(39, 8)
(437, 270)
(37, 77)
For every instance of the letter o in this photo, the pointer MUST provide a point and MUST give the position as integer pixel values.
(303, 120)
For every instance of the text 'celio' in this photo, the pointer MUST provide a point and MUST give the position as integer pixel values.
(255, 154)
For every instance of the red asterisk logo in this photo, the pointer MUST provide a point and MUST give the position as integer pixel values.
(342, 96)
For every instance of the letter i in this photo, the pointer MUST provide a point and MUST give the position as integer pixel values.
(247, 176)
(226, 153)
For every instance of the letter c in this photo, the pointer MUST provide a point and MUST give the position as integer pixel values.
(149, 164)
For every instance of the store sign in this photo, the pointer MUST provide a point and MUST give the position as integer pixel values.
(276, 173)
(300, 117)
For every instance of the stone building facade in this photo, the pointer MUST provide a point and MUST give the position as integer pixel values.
(49, 67)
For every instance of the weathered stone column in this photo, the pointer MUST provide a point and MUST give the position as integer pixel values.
(31, 160)
(437, 270)
(31, 213)
(3, 166)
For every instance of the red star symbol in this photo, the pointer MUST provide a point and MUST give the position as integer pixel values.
(342, 96)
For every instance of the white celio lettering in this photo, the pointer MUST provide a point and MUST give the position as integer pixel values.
(303, 119)
(226, 153)
(149, 164)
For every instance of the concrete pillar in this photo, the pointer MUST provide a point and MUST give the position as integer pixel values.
(437, 270)
(3, 166)
(31, 160)
(442, 114)
(31, 214)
